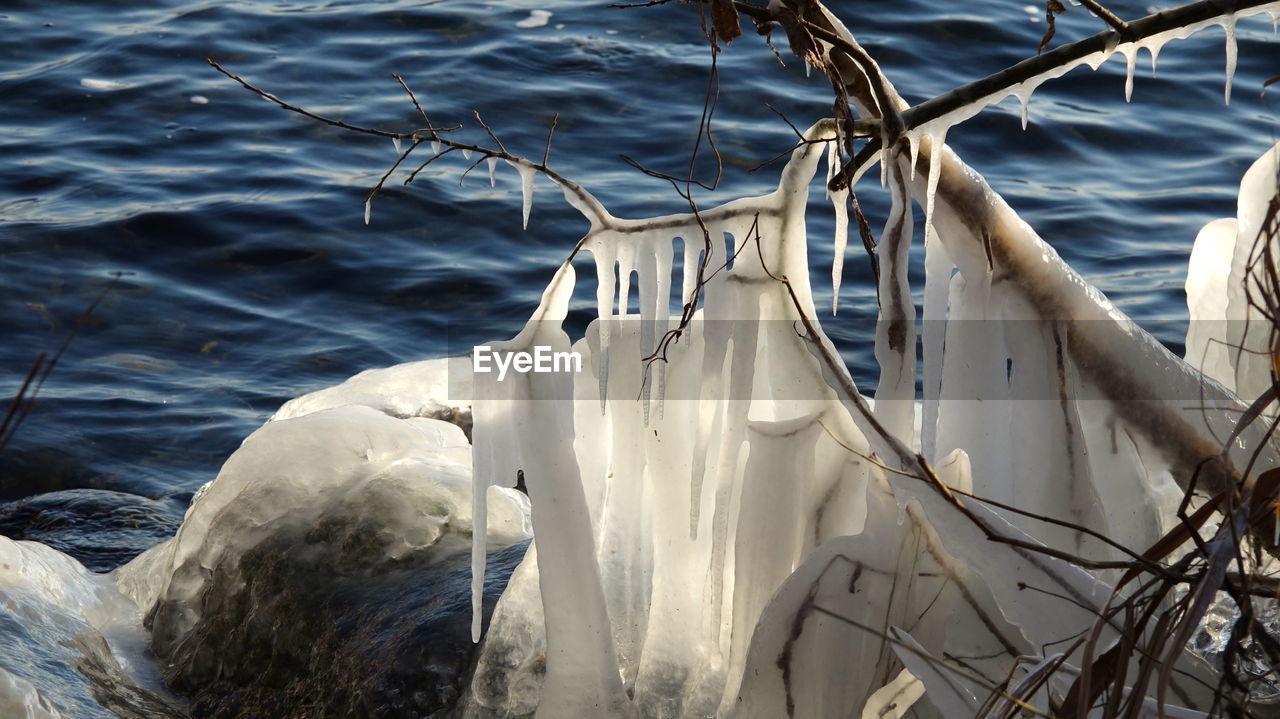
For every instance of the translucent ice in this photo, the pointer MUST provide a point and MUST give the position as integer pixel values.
(537, 18)
(56, 618)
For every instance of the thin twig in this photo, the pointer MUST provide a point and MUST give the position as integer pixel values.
(322, 118)
(550, 131)
(490, 131)
(414, 98)
(1120, 26)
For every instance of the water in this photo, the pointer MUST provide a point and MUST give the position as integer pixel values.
(250, 276)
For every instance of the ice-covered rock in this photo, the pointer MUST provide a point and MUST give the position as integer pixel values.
(71, 646)
(435, 388)
(325, 563)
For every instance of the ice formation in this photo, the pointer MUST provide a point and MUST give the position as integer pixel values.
(927, 122)
(96, 84)
(1227, 337)
(734, 530)
(72, 642)
(437, 388)
(537, 18)
(527, 173)
(687, 534)
(725, 525)
(370, 455)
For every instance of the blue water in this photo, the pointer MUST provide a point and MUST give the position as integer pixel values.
(250, 276)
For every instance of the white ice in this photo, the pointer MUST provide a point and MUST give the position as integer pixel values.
(537, 18)
(681, 555)
(67, 615)
(94, 83)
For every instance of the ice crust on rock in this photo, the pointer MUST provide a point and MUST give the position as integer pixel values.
(362, 480)
(408, 480)
(73, 645)
(434, 388)
(345, 494)
(358, 478)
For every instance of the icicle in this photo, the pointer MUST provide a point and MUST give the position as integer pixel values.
(626, 265)
(895, 344)
(396, 141)
(466, 154)
(833, 154)
(435, 146)
(526, 191)
(368, 208)
(939, 140)
(690, 272)
(1130, 53)
(839, 201)
(937, 284)
(493, 166)
(1229, 26)
(1024, 99)
(664, 260)
(606, 265)
(662, 391)
(1095, 60)
(526, 185)
(913, 142)
(1153, 46)
(648, 286)
(886, 156)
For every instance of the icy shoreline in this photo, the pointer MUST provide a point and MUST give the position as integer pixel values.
(356, 496)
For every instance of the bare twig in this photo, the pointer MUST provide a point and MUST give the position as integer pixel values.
(423, 113)
(550, 131)
(322, 118)
(20, 406)
(489, 130)
(1120, 26)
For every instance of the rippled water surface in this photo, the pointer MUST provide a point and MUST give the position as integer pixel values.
(250, 276)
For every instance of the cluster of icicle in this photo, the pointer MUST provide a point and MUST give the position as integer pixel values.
(733, 531)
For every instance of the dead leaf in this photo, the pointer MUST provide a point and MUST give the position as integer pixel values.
(798, 36)
(1052, 8)
(724, 20)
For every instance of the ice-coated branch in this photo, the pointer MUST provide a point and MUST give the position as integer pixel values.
(864, 80)
(329, 121)
(582, 200)
(1107, 16)
(1008, 246)
(1003, 82)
